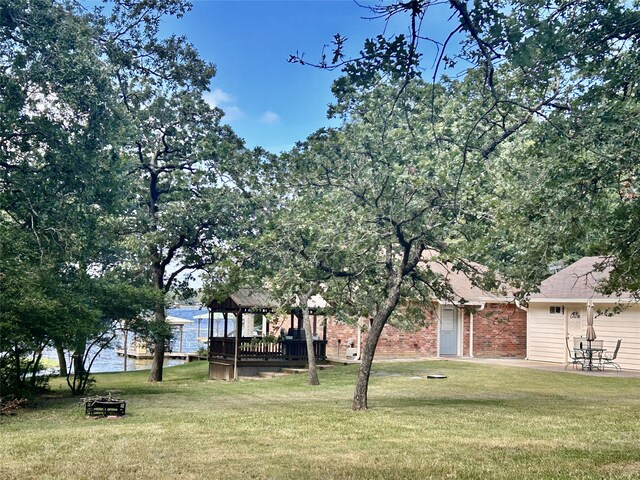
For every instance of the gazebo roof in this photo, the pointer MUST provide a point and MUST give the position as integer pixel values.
(245, 300)
(258, 301)
(252, 298)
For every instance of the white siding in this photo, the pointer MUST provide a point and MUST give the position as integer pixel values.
(547, 333)
(625, 325)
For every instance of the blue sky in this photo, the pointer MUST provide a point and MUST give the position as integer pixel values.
(268, 101)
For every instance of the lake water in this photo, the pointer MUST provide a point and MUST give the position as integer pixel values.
(109, 361)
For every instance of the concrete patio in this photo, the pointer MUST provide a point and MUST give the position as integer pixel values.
(509, 362)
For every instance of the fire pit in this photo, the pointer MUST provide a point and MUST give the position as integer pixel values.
(104, 406)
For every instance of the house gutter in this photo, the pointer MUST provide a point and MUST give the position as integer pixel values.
(359, 339)
(580, 300)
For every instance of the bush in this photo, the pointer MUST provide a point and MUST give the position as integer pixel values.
(22, 379)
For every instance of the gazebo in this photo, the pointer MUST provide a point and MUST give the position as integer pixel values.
(235, 349)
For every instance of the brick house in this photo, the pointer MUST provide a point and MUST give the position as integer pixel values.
(473, 323)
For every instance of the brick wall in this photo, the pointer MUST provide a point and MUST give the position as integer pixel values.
(499, 331)
(393, 342)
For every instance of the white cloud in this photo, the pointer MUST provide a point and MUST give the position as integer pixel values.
(225, 101)
(218, 98)
(232, 112)
(269, 118)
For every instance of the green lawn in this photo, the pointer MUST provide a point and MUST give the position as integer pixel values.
(481, 422)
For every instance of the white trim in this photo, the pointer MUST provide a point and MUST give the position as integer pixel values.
(581, 300)
(566, 331)
(459, 304)
(460, 327)
(471, 334)
(438, 334)
(483, 300)
(528, 328)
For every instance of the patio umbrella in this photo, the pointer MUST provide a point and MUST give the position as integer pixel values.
(591, 333)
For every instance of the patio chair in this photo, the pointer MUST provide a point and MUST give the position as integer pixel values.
(610, 360)
(576, 357)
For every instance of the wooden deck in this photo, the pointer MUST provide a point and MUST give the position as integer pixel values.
(253, 349)
(255, 356)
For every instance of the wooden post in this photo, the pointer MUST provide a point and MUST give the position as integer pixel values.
(209, 332)
(315, 324)
(324, 330)
(226, 324)
(235, 355)
(181, 331)
(126, 339)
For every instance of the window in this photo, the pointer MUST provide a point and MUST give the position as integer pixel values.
(448, 320)
(556, 310)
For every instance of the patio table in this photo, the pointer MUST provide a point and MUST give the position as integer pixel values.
(588, 352)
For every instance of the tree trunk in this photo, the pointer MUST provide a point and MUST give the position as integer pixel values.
(78, 360)
(62, 361)
(155, 375)
(306, 324)
(16, 367)
(36, 366)
(379, 321)
(76, 385)
(159, 337)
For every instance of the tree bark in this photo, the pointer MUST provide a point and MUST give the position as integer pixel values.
(155, 375)
(62, 360)
(306, 324)
(379, 321)
(395, 276)
(78, 382)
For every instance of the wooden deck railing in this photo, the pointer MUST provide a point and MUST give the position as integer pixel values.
(252, 349)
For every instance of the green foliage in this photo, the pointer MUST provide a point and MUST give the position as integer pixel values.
(185, 204)
(397, 180)
(573, 192)
(60, 177)
(69, 84)
(552, 104)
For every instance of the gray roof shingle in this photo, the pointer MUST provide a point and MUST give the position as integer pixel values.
(578, 281)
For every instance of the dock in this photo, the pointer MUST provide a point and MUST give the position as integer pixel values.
(138, 349)
(149, 355)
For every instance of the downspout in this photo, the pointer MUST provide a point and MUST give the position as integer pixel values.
(439, 314)
(482, 305)
(566, 331)
(359, 339)
(521, 307)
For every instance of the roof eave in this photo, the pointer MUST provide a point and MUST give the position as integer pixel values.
(580, 300)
